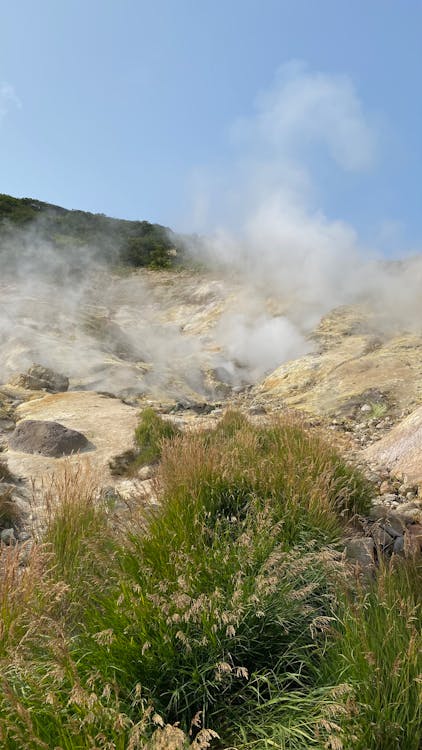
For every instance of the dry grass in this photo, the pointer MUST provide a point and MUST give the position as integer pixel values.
(10, 512)
(5, 473)
(219, 609)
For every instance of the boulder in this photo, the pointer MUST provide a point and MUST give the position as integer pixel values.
(39, 378)
(7, 537)
(361, 550)
(47, 438)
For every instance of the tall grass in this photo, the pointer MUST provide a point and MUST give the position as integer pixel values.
(220, 593)
(150, 433)
(378, 651)
(77, 531)
(220, 609)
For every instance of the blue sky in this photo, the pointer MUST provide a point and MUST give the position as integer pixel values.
(188, 112)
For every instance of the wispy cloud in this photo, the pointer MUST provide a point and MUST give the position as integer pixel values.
(8, 99)
(304, 109)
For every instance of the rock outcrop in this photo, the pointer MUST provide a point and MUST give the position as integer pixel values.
(401, 449)
(354, 363)
(47, 438)
(39, 378)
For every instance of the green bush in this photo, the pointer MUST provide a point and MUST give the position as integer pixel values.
(150, 433)
(221, 595)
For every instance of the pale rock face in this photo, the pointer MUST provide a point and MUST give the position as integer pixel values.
(39, 378)
(401, 449)
(353, 362)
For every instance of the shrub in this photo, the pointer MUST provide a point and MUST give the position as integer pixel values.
(220, 596)
(150, 433)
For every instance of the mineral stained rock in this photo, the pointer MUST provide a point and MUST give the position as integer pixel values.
(39, 378)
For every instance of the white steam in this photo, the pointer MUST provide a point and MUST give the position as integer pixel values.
(281, 263)
(275, 235)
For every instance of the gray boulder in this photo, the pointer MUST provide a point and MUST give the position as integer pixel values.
(7, 536)
(47, 438)
(39, 378)
(361, 551)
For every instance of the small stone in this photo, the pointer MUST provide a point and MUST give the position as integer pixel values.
(7, 537)
(39, 378)
(410, 496)
(389, 497)
(385, 487)
(365, 408)
(398, 547)
(378, 512)
(47, 438)
(390, 530)
(409, 513)
(361, 551)
(381, 537)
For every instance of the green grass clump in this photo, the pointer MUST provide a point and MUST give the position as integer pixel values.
(150, 433)
(378, 410)
(77, 532)
(221, 594)
(227, 607)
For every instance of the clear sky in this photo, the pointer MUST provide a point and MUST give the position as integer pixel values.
(171, 110)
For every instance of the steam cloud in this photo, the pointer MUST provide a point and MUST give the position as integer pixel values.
(276, 236)
(279, 263)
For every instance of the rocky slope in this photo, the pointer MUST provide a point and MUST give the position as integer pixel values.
(159, 338)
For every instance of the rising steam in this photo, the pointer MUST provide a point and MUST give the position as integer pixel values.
(278, 264)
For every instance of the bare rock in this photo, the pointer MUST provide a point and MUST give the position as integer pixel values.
(39, 378)
(7, 536)
(401, 449)
(413, 541)
(360, 550)
(381, 537)
(398, 547)
(47, 439)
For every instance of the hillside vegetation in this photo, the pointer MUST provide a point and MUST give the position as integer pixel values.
(226, 616)
(135, 243)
